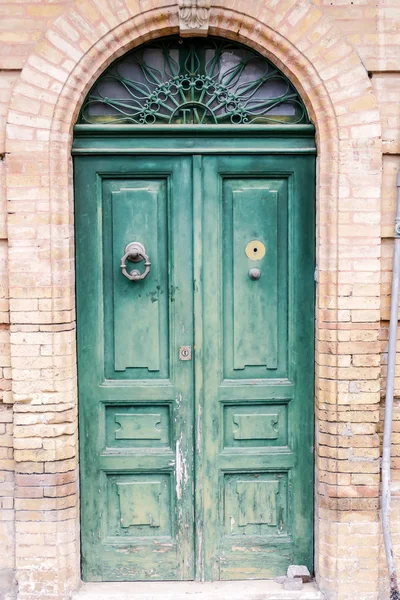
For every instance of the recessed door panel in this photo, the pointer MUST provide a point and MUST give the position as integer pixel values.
(254, 219)
(255, 425)
(138, 426)
(136, 210)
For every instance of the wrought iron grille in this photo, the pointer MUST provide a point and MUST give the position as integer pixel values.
(193, 81)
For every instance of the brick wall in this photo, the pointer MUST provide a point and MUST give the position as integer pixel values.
(7, 79)
(352, 312)
(22, 24)
(372, 27)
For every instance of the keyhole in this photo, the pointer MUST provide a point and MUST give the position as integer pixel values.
(255, 250)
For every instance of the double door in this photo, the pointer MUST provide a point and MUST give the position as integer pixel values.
(196, 371)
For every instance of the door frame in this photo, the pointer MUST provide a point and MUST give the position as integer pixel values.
(195, 140)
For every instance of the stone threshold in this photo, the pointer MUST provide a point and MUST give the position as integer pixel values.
(185, 590)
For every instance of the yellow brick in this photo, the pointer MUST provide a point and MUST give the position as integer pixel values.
(46, 11)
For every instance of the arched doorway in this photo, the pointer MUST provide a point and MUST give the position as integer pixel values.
(194, 186)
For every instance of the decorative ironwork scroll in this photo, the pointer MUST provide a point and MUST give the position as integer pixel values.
(193, 81)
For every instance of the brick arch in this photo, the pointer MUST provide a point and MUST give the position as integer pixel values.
(328, 73)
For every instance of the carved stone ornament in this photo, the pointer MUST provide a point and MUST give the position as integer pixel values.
(194, 16)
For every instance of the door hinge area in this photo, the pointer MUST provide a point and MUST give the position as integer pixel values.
(316, 274)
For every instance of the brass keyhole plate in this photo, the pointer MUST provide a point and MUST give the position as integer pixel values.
(185, 353)
(255, 250)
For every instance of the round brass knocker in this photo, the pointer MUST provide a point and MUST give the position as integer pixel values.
(135, 252)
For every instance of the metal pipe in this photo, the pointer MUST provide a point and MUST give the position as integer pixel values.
(387, 431)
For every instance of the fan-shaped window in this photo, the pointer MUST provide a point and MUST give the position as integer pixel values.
(193, 81)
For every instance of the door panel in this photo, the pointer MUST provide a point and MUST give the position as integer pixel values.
(258, 352)
(250, 216)
(136, 210)
(136, 397)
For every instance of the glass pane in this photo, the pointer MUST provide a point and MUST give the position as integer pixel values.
(199, 81)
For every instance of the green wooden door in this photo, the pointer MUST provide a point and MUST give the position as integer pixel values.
(258, 365)
(135, 396)
(197, 468)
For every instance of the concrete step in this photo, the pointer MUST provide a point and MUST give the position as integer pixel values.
(188, 590)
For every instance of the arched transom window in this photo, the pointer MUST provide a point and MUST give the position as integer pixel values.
(193, 81)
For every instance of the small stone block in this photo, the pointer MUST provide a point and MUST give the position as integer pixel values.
(293, 583)
(281, 579)
(299, 571)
